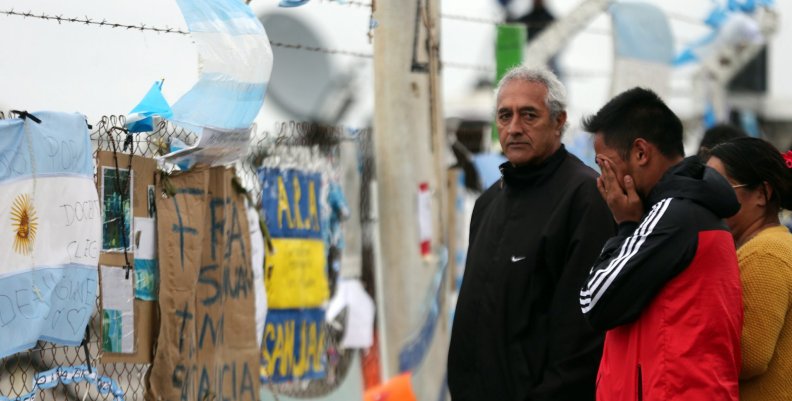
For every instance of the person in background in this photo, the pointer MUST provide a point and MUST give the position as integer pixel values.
(666, 287)
(518, 333)
(762, 179)
(718, 134)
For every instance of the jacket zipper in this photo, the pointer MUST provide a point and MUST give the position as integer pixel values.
(640, 384)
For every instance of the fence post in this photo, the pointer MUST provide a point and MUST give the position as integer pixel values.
(409, 146)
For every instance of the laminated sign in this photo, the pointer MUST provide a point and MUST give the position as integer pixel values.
(294, 345)
(296, 272)
(50, 237)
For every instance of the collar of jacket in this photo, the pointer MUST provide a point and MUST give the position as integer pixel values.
(526, 175)
(691, 179)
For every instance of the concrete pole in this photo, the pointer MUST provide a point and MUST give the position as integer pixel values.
(407, 122)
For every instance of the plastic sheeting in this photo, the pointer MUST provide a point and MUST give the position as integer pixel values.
(235, 62)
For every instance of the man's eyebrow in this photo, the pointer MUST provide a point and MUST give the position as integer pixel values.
(521, 109)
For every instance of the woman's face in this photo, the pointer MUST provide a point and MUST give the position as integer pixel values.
(743, 216)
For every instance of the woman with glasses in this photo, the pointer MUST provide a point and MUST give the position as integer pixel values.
(762, 180)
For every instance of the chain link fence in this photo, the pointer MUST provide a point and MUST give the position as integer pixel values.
(108, 134)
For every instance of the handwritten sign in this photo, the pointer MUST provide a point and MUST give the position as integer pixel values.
(294, 345)
(50, 239)
(295, 274)
(207, 346)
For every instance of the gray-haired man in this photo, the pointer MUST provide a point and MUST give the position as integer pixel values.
(518, 330)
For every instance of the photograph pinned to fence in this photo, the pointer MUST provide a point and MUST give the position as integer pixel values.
(116, 196)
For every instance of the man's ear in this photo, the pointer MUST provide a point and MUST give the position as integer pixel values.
(560, 122)
(641, 151)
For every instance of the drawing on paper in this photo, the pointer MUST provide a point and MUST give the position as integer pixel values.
(111, 330)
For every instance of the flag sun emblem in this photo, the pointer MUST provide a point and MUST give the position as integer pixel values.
(23, 221)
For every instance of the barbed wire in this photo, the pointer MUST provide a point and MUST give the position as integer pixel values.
(465, 66)
(89, 21)
(323, 50)
(143, 28)
(468, 18)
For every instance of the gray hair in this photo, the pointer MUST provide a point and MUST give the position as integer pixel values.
(555, 101)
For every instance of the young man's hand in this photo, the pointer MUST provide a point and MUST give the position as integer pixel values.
(623, 201)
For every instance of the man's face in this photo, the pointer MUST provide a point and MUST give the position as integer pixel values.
(527, 133)
(604, 152)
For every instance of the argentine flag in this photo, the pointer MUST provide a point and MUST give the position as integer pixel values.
(644, 47)
(50, 231)
(235, 62)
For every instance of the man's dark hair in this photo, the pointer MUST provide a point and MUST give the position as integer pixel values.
(753, 161)
(637, 113)
(717, 135)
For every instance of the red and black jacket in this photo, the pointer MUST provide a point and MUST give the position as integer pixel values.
(668, 291)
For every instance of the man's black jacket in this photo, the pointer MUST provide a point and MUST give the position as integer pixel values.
(518, 331)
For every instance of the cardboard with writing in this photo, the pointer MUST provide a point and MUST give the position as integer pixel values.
(207, 345)
(146, 321)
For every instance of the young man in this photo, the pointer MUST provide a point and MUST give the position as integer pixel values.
(518, 331)
(667, 286)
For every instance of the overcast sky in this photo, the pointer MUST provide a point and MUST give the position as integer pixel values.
(99, 71)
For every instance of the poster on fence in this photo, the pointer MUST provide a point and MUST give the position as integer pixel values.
(51, 230)
(207, 343)
(296, 275)
(128, 214)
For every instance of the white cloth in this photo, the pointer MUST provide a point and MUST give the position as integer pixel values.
(257, 262)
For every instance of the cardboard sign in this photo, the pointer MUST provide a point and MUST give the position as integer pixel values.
(207, 343)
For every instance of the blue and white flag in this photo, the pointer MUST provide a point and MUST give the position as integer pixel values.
(732, 26)
(644, 47)
(141, 118)
(235, 66)
(50, 233)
